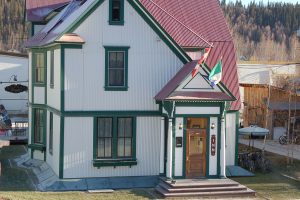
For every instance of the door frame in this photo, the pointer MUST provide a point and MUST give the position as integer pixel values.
(185, 143)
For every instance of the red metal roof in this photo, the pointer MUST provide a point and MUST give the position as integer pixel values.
(30, 4)
(37, 10)
(206, 19)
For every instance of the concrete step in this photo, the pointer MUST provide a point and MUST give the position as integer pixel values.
(170, 189)
(239, 193)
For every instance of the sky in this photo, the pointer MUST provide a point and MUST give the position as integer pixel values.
(246, 2)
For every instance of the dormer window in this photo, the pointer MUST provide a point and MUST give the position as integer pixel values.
(116, 12)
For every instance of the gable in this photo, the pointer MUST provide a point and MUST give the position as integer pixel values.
(198, 83)
(183, 87)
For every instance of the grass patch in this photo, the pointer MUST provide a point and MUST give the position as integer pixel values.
(119, 194)
(16, 184)
(274, 185)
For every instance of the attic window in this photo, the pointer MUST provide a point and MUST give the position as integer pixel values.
(116, 12)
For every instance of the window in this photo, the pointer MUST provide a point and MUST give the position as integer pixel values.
(116, 12)
(51, 133)
(116, 68)
(52, 69)
(124, 137)
(104, 138)
(39, 65)
(114, 141)
(39, 125)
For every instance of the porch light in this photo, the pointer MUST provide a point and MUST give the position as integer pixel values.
(212, 126)
(180, 126)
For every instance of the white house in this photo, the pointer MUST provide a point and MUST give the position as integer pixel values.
(14, 70)
(111, 92)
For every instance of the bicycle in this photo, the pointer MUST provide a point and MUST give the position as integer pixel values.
(283, 140)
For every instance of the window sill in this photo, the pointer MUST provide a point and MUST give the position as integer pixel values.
(110, 88)
(39, 84)
(114, 162)
(117, 23)
(40, 147)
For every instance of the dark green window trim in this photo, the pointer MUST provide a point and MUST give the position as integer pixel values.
(51, 133)
(39, 147)
(34, 145)
(109, 49)
(114, 160)
(34, 68)
(39, 125)
(52, 69)
(119, 21)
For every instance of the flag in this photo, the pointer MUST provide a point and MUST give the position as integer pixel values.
(215, 75)
(200, 61)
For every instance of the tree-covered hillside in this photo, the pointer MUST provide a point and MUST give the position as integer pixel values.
(264, 31)
(13, 30)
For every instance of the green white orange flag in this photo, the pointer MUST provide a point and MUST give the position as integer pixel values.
(201, 61)
(215, 75)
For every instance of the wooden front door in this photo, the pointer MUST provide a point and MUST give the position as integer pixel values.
(195, 152)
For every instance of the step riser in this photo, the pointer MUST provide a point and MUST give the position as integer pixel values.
(212, 190)
(202, 186)
(212, 195)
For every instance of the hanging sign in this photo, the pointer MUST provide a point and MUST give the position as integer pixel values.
(213, 145)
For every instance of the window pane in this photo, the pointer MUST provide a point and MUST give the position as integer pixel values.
(38, 126)
(120, 59)
(104, 127)
(120, 147)
(116, 10)
(116, 77)
(128, 147)
(100, 148)
(121, 127)
(112, 59)
(128, 127)
(108, 147)
(108, 127)
(116, 59)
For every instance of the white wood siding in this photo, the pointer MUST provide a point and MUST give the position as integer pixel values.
(151, 63)
(38, 155)
(74, 80)
(39, 95)
(178, 150)
(78, 149)
(230, 138)
(53, 160)
(197, 110)
(53, 94)
(213, 166)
